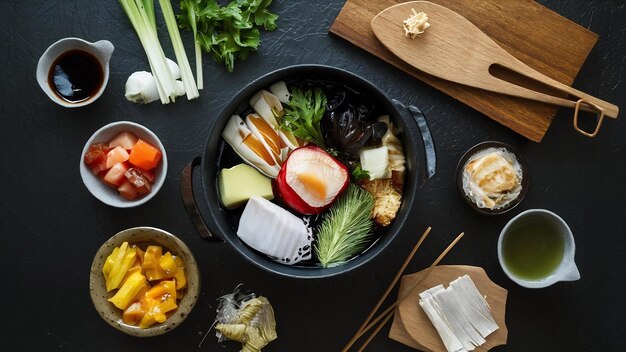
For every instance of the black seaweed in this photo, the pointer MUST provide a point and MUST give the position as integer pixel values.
(349, 123)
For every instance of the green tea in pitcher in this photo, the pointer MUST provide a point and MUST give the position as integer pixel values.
(533, 249)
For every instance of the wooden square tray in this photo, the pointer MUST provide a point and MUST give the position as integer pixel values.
(539, 37)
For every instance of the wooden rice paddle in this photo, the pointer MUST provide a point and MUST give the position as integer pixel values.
(454, 49)
(388, 313)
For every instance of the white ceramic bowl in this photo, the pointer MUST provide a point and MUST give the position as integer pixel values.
(109, 195)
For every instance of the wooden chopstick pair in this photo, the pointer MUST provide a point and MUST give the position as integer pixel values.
(388, 313)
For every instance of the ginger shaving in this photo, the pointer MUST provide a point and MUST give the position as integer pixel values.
(416, 24)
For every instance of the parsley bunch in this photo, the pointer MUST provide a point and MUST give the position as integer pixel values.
(227, 32)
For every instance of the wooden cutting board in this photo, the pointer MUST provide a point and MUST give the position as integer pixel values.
(539, 37)
(412, 327)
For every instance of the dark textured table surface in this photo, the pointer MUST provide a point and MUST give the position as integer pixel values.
(51, 226)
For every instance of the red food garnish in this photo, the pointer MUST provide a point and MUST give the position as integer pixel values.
(139, 181)
(310, 180)
(96, 154)
(128, 191)
(99, 167)
(116, 164)
(145, 155)
(115, 176)
(148, 174)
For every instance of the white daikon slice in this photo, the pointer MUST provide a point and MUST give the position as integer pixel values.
(431, 291)
(466, 319)
(274, 231)
(459, 310)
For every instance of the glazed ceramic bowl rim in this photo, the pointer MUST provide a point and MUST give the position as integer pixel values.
(186, 304)
(108, 195)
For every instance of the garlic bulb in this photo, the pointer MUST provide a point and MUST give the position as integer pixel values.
(174, 69)
(141, 86)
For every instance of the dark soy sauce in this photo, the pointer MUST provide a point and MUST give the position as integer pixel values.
(76, 76)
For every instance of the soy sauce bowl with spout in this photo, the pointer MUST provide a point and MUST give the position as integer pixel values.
(101, 51)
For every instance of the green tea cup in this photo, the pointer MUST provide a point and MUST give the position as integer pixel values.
(536, 249)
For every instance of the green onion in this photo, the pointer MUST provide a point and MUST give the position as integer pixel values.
(190, 7)
(141, 16)
(179, 50)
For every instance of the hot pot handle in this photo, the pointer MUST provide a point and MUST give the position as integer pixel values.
(189, 200)
(427, 138)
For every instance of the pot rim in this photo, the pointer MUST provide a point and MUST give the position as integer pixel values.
(411, 183)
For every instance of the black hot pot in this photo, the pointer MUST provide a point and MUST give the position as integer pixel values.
(418, 147)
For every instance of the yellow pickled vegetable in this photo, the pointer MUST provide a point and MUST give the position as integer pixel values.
(121, 262)
(181, 278)
(151, 263)
(168, 264)
(159, 300)
(133, 271)
(148, 319)
(136, 267)
(127, 293)
(108, 264)
(140, 255)
(133, 314)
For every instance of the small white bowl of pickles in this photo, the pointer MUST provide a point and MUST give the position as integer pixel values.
(123, 164)
(144, 281)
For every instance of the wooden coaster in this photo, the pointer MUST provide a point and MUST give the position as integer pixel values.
(412, 327)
